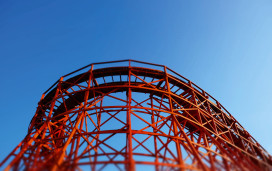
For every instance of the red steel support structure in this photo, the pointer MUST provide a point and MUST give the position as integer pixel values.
(132, 115)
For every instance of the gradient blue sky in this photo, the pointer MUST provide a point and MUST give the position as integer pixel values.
(225, 47)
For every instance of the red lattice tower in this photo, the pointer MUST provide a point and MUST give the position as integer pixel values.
(132, 115)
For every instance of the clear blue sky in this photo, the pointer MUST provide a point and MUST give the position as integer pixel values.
(225, 47)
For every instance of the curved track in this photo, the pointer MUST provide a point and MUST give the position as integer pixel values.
(131, 117)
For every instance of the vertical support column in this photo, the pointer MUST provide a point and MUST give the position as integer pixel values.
(97, 137)
(98, 118)
(155, 136)
(131, 164)
(86, 97)
(180, 161)
(79, 120)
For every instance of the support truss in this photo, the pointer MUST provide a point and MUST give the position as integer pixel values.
(133, 118)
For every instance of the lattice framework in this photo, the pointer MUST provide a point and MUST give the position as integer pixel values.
(129, 117)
